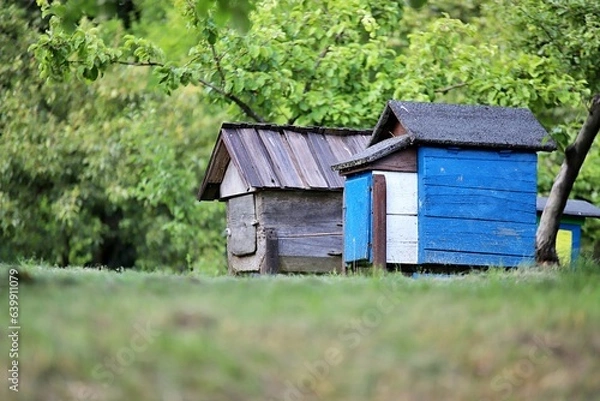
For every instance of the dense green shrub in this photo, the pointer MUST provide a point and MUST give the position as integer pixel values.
(103, 173)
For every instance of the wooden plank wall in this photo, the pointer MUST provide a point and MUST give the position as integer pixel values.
(476, 207)
(308, 227)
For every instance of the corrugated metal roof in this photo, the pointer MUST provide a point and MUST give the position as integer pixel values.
(285, 157)
(465, 125)
(574, 207)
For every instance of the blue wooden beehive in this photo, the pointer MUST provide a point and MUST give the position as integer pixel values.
(444, 184)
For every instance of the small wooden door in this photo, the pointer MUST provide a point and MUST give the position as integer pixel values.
(241, 221)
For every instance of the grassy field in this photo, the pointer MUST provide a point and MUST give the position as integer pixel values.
(98, 335)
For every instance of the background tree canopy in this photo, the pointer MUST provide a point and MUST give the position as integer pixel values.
(107, 130)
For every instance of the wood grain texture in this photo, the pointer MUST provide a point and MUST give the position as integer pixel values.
(241, 221)
(241, 158)
(344, 147)
(307, 165)
(233, 183)
(322, 246)
(379, 221)
(280, 152)
(282, 157)
(271, 261)
(300, 212)
(404, 160)
(307, 225)
(260, 161)
(324, 157)
(475, 203)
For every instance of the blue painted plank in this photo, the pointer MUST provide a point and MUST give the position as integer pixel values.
(477, 154)
(479, 236)
(357, 218)
(477, 203)
(421, 204)
(499, 175)
(476, 207)
(513, 172)
(475, 259)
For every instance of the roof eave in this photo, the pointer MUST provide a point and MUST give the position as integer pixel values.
(203, 193)
(381, 123)
(368, 155)
(499, 146)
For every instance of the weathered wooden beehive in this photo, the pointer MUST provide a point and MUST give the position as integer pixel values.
(568, 240)
(284, 202)
(444, 184)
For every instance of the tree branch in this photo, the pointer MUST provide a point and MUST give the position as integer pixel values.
(227, 95)
(308, 85)
(447, 89)
(217, 63)
(545, 240)
(140, 64)
(239, 102)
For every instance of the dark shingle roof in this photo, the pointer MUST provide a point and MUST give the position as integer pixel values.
(574, 208)
(280, 156)
(465, 125)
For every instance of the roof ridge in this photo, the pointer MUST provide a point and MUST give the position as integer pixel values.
(298, 128)
(465, 125)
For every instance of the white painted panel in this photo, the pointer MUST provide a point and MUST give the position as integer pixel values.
(401, 189)
(233, 183)
(402, 239)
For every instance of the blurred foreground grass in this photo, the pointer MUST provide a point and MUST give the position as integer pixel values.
(97, 335)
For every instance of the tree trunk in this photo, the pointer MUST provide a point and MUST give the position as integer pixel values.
(545, 241)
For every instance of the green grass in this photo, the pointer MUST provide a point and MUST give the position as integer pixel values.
(97, 335)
